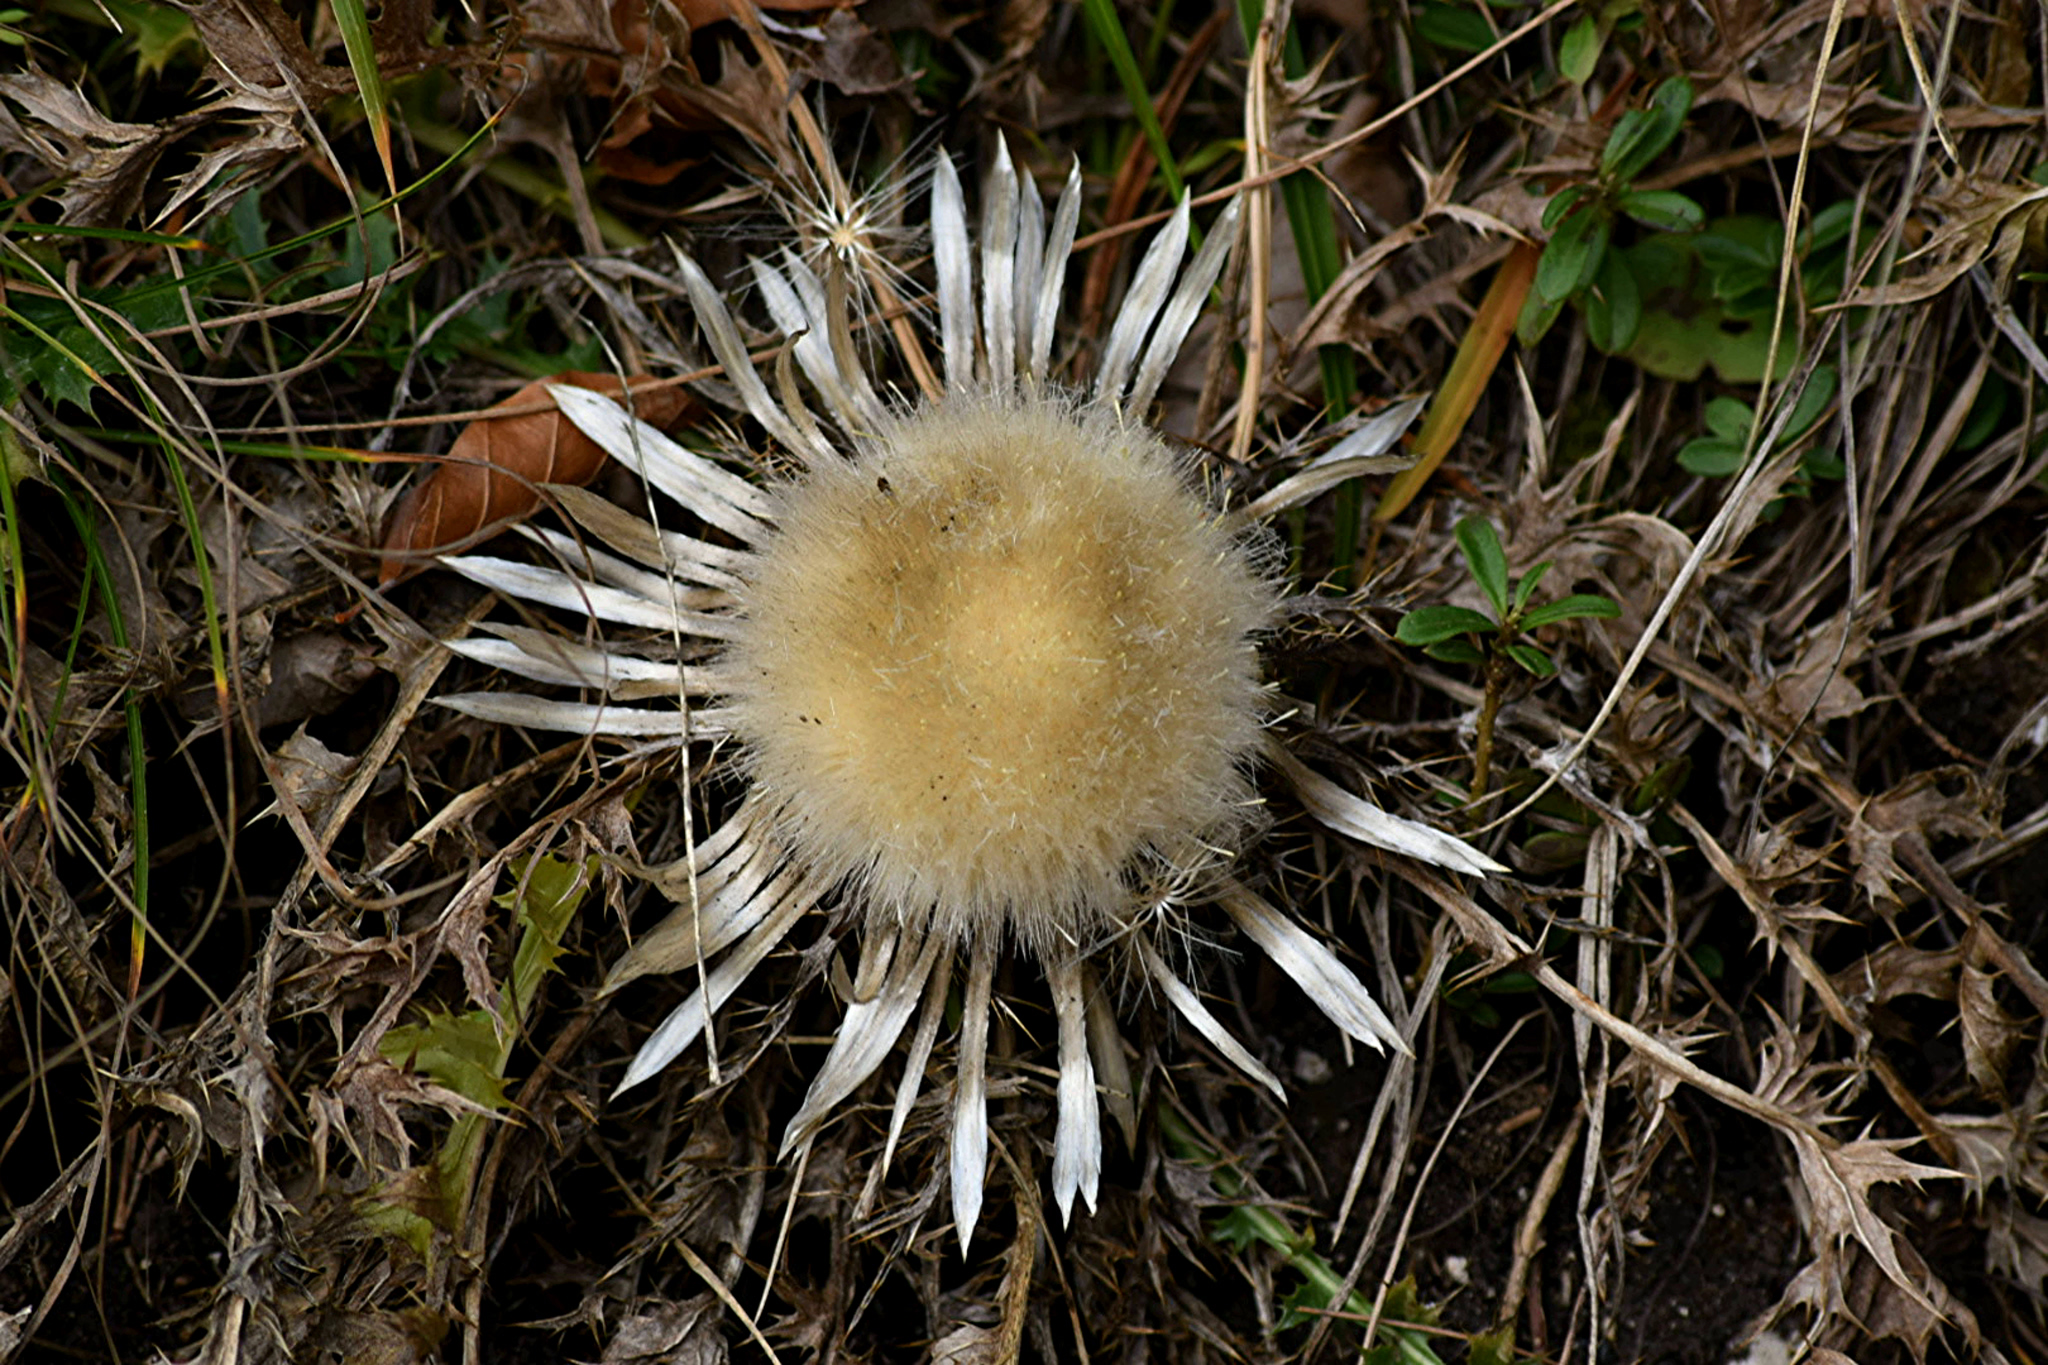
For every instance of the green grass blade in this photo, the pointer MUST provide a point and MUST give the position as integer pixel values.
(353, 19)
(100, 581)
(1109, 32)
(265, 450)
(22, 227)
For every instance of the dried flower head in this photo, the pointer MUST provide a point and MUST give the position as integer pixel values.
(989, 666)
(998, 668)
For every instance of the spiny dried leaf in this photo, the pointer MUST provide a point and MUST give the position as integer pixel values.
(492, 474)
(258, 45)
(105, 165)
(266, 137)
(1899, 969)
(681, 1333)
(1838, 1180)
(1989, 1033)
(310, 772)
(1910, 814)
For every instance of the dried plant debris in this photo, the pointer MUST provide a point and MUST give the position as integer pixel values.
(1147, 549)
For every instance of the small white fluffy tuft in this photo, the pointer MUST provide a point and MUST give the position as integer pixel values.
(999, 667)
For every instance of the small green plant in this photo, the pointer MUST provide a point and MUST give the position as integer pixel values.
(468, 1053)
(1578, 52)
(1720, 452)
(1405, 1320)
(1577, 265)
(1709, 298)
(1462, 635)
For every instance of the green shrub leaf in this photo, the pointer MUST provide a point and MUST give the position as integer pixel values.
(1459, 651)
(1664, 210)
(1710, 457)
(1574, 254)
(1578, 605)
(1614, 307)
(1489, 563)
(1578, 52)
(1641, 135)
(1428, 625)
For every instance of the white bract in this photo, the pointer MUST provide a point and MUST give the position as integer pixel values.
(988, 666)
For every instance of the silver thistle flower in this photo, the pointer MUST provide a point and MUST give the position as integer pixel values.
(989, 666)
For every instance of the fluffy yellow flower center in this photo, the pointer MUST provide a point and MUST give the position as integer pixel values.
(999, 666)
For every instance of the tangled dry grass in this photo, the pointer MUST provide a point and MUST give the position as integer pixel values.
(302, 1053)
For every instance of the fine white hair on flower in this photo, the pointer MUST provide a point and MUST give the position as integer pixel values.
(988, 665)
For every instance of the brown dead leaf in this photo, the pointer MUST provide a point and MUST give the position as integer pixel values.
(855, 60)
(309, 772)
(269, 134)
(105, 165)
(2018, 1246)
(1980, 218)
(698, 13)
(1839, 1177)
(1989, 1033)
(492, 474)
(1899, 969)
(968, 1345)
(680, 1333)
(1815, 688)
(310, 674)
(1897, 826)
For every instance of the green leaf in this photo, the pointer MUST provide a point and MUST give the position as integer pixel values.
(1454, 28)
(1536, 317)
(1562, 203)
(1108, 30)
(1492, 1348)
(1641, 135)
(1664, 210)
(1668, 779)
(352, 21)
(1578, 605)
(1674, 347)
(1827, 466)
(458, 1051)
(1670, 102)
(1730, 418)
(1578, 52)
(1987, 413)
(1460, 651)
(1528, 584)
(1710, 457)
(1623, 143)
(1556, 849)
(552, 890)
(1428, 625)
(1614, 306)
(1489, 563)
(1813, 401)
(1532, 659)
(1573, 255)
(1831, 225)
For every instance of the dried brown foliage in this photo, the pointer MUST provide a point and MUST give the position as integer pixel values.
(494, 475)
(1754, 1042)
